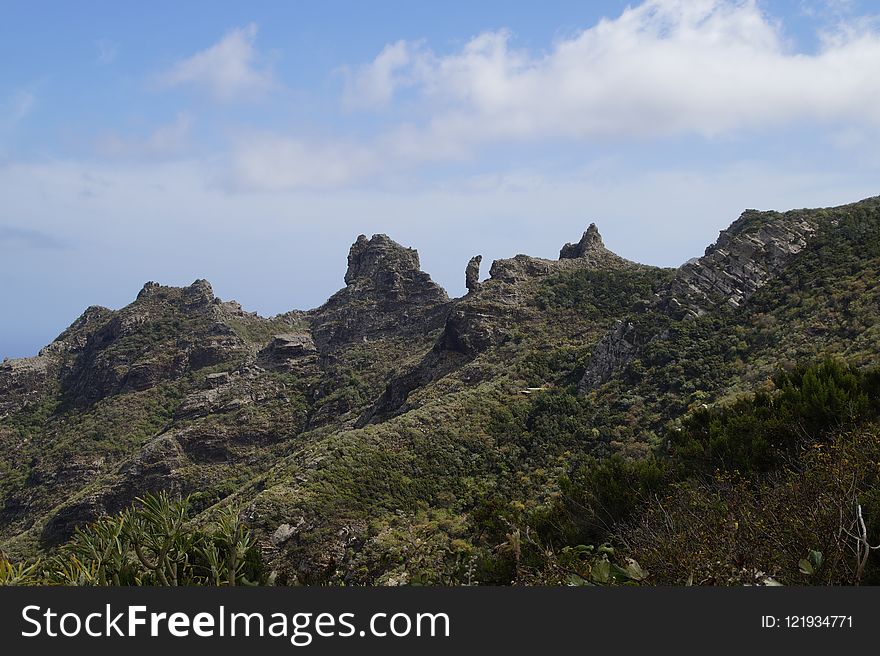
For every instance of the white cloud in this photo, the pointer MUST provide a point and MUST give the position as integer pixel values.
(824, 8)
(228, 70)
(166, 141)
(267, 161)
(373, 84)
(665, 68)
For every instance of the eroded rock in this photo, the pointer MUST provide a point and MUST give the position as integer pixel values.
(472, 274)
(746, 256)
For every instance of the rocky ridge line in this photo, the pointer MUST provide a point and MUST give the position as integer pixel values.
(744, 258)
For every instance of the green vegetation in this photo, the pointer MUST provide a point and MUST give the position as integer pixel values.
(742, 493)
(759, 432)
(151, 543)
(602, 292)
(259, 332)
(738, 446)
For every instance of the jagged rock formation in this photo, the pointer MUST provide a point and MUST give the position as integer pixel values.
(386, 293)
(472, 274)
(289, 351)
(746, 256)
(341, 428)
(743, 259)
(382, 263)
(590, 242)
(588, 253)
(487, 315)
(187, 331)
(612, 352)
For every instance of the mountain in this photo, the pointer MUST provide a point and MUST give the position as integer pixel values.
(395, 435)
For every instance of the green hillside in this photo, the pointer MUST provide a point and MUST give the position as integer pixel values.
(571, 421)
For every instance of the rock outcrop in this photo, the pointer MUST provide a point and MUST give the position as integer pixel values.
(290, 346)
(472, 274)
(617, 348)
(745, 257)
(590, 243)
(382, 264)
(386, 293)
(290, 352)
(28, 380)
(23, 382)
(164, 333)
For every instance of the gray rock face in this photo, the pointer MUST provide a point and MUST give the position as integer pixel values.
(22, 382)
(28, 380)
(381, 262)
(214, 347)
(590, 243)
(217, 379)
(744, 258)
(149, 288)
(613, 352)
(75, 338)
(198, 294)
(588, 253)
(385, 294)
(289, 352)
(473, 328)
(472, 274)
(520, 267)
(292, 345)
(164, 333)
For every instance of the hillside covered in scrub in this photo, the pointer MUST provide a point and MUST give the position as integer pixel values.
(580, 420)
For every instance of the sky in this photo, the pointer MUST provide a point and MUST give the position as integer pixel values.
(250, 143)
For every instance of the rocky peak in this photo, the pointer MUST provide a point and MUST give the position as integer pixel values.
(589, 253)
(149, 287)
(472, 273)
(199, 293)
(76, 335)
(386, 272)
(590, 243)
(386, 293)
(165, 333)
(373, 259)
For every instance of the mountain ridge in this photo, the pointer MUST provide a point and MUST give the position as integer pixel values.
(392, 397)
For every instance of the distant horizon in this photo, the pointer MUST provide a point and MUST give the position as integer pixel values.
(250, 145)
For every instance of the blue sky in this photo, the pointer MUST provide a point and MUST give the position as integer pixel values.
(250, 143)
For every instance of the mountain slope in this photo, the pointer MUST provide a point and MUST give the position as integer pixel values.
(390, 435)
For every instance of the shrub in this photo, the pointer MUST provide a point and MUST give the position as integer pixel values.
(151, 543)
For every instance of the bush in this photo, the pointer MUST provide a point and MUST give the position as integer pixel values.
(756, 433)
(735, 530)
(149, 544)
(597, 495)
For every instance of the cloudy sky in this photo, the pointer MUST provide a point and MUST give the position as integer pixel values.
(250, 143)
